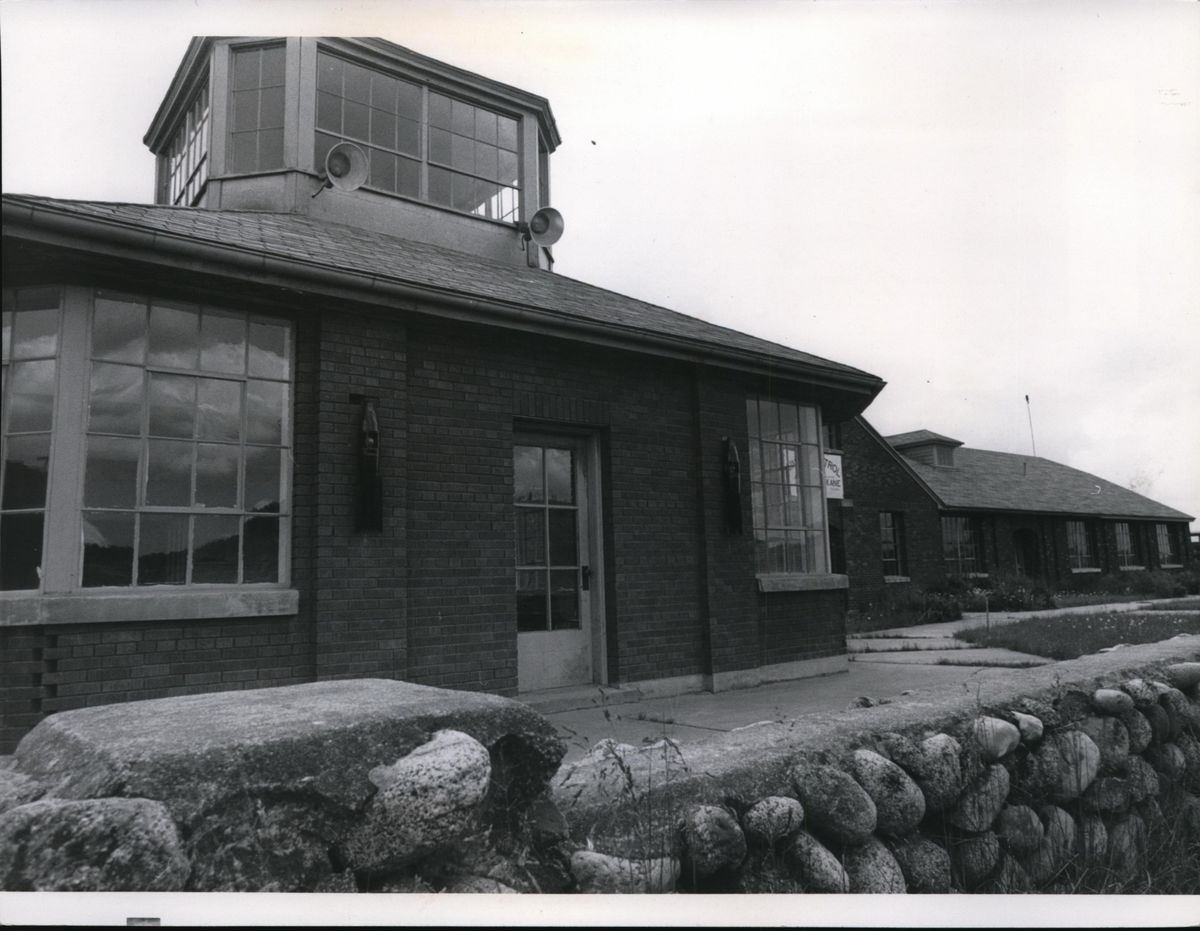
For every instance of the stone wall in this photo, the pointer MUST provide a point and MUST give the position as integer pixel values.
(1054, 779)
(1041, 780)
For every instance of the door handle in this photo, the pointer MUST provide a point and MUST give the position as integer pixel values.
(585, 577)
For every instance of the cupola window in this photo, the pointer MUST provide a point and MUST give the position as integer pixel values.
(419, 143)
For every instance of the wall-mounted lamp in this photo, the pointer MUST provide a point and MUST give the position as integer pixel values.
(368, 514)
(731, 487)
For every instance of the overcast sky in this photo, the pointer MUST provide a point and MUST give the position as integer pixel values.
(973, 201)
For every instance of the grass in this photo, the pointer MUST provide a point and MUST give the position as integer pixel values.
(908, 647)
(1079, 599)
(1073, 635)
(1182, 604)
(992, 663)
(1170, 866)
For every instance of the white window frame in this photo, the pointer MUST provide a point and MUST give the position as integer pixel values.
(61, 597)
(1081, 548)
(790, 579)
(1127, 554)
(424, 157)
(1171, 559)
(975, 531)
(893, 523)
(186, 161)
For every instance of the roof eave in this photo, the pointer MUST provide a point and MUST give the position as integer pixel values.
(192, 68)
(1082, 515)
(42, 224)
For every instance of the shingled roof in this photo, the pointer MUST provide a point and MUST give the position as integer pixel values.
(297, 242)
(920, 438)
(981, 479)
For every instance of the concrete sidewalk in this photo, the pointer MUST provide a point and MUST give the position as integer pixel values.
(585, 716)
(700, 715)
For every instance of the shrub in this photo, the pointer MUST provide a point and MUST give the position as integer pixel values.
(907, 610)
(1154, 583)
(1001, 593)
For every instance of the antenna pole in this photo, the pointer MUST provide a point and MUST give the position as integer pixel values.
(1029, 411)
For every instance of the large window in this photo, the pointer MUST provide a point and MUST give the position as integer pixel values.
(1080, 550)
(961, 539)
(256, 109)
(420, 143)
(891, 538)
(187, 157)
(171, 436)
(32, 335)
(1128, 550)
(1168, 550)
(786, 487)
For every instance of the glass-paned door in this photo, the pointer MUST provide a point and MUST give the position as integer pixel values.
(553, 563)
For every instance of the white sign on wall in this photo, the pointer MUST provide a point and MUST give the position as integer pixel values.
(834, 487)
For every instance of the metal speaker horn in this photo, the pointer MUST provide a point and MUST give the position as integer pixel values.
(345, 167)
(545, 227)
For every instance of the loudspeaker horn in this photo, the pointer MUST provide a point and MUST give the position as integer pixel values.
(545, 227)
(345, 167)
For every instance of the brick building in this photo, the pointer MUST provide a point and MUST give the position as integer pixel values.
(920, 507)
(324, 410)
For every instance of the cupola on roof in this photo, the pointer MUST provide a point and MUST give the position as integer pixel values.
(449, 157)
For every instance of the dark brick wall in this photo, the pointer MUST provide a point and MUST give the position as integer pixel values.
(875, 482)
(65, 666)
(359, 593)
(734, 613)
(467, 390)
(430, 597)
(1054, 557)
(801, 625)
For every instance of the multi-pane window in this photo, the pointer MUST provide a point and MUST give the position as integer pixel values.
(164, 453)
(187, 156)
(186, 445)
(961, 545)
(420, 143)
(1128, 555)
(1080, 551)
(378, 112)
(32, 338)
(256, 109)
(786, 487)
(1168, 554)
(891, 538)
(833, 436)
(473, 165)
(548, 515)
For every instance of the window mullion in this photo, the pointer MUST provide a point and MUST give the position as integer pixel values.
(64, 493)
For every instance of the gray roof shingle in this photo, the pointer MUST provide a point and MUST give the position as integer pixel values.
(918, 438)
(984, 479)
(378, 255)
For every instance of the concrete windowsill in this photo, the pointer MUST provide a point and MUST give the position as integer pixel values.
(1085, 570)
(896, 578)
(20, 609)
(787, 582)
(1131, 568)
(1171, 565)
(978, 575)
